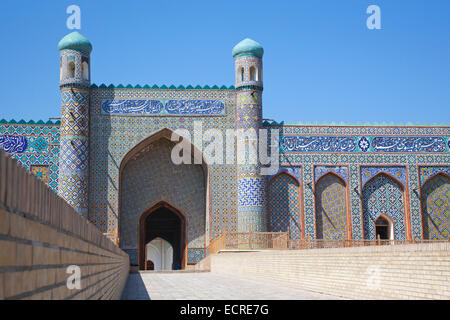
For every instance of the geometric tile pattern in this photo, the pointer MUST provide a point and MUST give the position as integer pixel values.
(415, 214)
(74, 112)
(99, 126)
(252, 219)
(331, 216)
(426, 173)
(74, 132)
(252, 187)
(248, 109)
(223, 210)
(383, 195)
(397, 172)
(296, 171)
(96, 130)
(436, 207)
(73, 156)
(355, 162)
(74, 148)
(284, 205)
(364, 155)
(150, 177)
(251, 192)
(113, 136)
(72, 189)
(252, 200)
(41, 141)
(320, 171)
(41, 171)
(195, 255)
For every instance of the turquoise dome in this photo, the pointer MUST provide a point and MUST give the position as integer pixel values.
(248, 47)
(75, 41)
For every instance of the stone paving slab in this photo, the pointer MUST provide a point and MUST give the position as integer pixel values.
(210, 286)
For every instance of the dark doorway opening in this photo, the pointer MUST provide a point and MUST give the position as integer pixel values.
(382, 229)
(165, 222)
(150, 265)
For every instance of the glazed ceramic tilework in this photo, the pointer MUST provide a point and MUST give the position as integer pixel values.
(334, 179)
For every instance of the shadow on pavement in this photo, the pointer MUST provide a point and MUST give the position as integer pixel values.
(135, 288)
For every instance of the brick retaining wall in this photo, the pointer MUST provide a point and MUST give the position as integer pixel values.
(420, 271)
(41, 235)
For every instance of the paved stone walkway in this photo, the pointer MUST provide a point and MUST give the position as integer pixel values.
(208, 285)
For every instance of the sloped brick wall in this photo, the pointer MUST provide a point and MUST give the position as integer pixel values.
(41, 235)
(418, 271)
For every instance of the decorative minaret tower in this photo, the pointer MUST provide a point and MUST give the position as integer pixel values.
(74, 134)
(247, 55)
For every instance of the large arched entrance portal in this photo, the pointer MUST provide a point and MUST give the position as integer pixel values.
(170, 197)
(162, 221)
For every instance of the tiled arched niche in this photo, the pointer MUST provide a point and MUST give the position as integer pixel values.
(383, 195)
(435, 200)
(331, 207)
(285, 204)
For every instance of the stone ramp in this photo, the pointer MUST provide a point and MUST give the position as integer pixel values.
(409, 271)
(209, 286)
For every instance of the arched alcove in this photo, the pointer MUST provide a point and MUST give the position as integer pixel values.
(284, 205)
(331, 207)
(435, 200)
(383, 195)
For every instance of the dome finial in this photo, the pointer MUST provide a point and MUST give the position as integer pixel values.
(248, 47)
(75, 41)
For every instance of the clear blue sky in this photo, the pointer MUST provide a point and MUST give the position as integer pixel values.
(321, 63)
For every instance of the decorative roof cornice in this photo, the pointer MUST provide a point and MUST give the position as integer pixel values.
(171, 87)
(39, 122)
(334, 124)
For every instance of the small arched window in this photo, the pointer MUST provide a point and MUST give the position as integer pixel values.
(71, 70)
(242, 74)
(85, 71)
(252, 73)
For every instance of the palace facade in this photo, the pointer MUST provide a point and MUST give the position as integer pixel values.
(109, 157)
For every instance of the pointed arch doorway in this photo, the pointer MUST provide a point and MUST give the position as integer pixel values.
(148, 175)
(166, 222)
